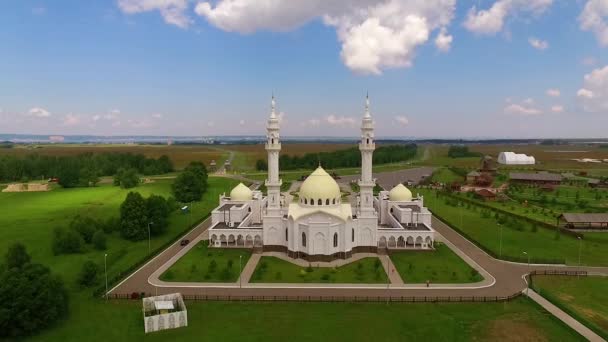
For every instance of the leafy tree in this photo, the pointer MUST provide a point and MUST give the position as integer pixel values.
(165, 164)
(33, 298)
(158, 214)
(99, 240)
(17, 256)
(66, 241)
(68, 174)
(88, 176)
(188, 187)
(88, 274)
(198, 168)
(133, 217)
(126, 178)
(110, 225)
(85, 226)
(261, 165)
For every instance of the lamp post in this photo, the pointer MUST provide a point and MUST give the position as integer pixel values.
(240, 271)
(105, 267)
(149, 238)
(388, 276)
(500, 245)
(530, 278)
(580, 248)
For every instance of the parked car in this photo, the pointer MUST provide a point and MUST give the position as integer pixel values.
(184, 242)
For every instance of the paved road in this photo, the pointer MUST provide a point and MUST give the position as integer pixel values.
(388, 180)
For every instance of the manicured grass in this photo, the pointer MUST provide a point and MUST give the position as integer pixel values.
(31, 217)
(439, 266)
(584, 297)
(204, 264)
(518, 320)
(275, 270)
(446, 176)
(542, 243)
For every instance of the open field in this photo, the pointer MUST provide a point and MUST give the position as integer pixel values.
(439, 266)
(585, 298)
(31, 217)
(275, 270)
(203, 264)
(542, 244)
(234, 321)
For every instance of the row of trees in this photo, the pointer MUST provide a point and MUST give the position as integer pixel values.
(79, 170)
(350, 157)
(80, 232)
(461, 151)
(138, 214)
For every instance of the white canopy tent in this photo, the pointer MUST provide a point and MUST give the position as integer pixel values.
(512, 158)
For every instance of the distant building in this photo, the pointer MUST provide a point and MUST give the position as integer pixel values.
(511, 158)
(487, 165)
(536, 178)
(164, 312)
(584, 221)
(486, 194)
(213, 166)
(472, 176)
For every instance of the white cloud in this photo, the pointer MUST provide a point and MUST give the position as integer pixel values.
(491, 21)
(594, 18)
(553, 92)
(557, 109)
(402, 120)
(39, 112)
(157, 116)
(71, 120)
(529, 101)
(340, 120)
(375, 34)
(538, 44)
(96, 117)
(314, 122)
(594, 93)
(522, 110)
(112, 114)
(443, 41)
(172, 11)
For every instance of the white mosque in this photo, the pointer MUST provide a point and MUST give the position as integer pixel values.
(318, 224)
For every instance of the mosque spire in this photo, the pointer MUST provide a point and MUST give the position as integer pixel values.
(272, 108)
(367, 115)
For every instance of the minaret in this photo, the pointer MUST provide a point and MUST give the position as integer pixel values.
(367, 147)
(273, 146)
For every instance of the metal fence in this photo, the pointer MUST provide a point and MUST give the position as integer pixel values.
(559, 273)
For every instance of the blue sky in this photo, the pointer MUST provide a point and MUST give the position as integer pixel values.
(501, 68)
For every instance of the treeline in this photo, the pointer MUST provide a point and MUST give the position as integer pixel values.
(342, 158)
(79, 170)
(457, 151)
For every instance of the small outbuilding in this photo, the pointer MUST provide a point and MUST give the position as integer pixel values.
(536, 178)
(486, 194)
(512, 158)
(164, 312)
(472, 176)
(583, 220)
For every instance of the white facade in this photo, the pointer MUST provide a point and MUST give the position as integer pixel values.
(317, 223)
(164, 312)
(511, 158)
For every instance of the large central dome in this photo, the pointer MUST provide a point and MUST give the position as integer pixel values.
(320, 189)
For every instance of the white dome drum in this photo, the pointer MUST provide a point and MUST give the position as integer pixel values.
(320, 189)
(241, 193)
(400, 194)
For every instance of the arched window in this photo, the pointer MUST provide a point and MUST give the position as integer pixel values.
(249, 209)
(305, 201)
(303, 239)
(368, 140)
(327, 201)
(335, 239)
(353, 236)
(286, 235)
(334, 201)
(320, 202)
(312, 202)
(272, 141)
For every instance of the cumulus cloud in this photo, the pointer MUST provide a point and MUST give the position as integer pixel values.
(340, 120)
(491, 21)
(553, 92)
(594, 18)
(71, 120)
(172, 11)
(39, 112)
(443, 41)
(402, 120)
(375, 34)
(594, 93)
(538, 44)
(522, 110)
(557, 109)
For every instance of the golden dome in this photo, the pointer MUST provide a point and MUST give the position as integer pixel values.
(320, 186)
(400, 194)
(241, 193)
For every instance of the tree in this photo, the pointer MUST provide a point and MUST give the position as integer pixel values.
(66, 241)
(158, 214)
(261, 165)
(85, 226)
(199, 169)
(110, 225)
(133, 217)
(165, 164)
(188, 187)
(69, 174)
(99, 240)
(126, 178)
(17, 256)
(88, 274)
(88, 176)
(33, 298)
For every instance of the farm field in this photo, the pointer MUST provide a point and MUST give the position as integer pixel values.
(203, 264)
(541, 244)
(584, 297)
(275, 270)
(439, 266)
(31, 217)
(260, 321)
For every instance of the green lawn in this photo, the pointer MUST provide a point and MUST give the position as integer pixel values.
(275, 270)
(540, 244)
(198, 265)
(31, 217)
(446, 176)
(584, 297)
(439, 266)
(255, 321)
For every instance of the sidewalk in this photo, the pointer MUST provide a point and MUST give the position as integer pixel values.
(564, 317)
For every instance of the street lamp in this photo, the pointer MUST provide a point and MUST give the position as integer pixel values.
(105, 267)
(529, 276)
(500, 245)
(149, 249)
(580, 248)
(240, 271)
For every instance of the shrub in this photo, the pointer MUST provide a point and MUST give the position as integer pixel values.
(85, 226)
(126, 178)
(99, 240)
(325, 277)
(88, 274)
(230, 263)
(309, 268)
(17, 256)
(110, 225)
(66, 241)
(212, 266)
